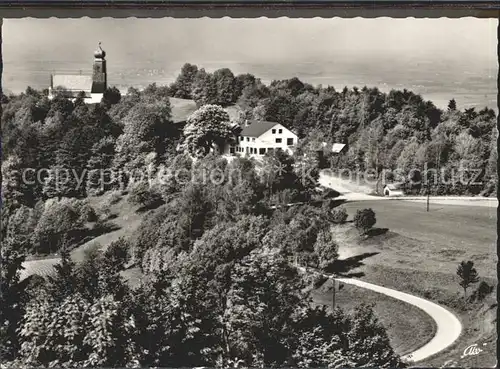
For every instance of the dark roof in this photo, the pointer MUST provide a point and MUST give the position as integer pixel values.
(72, 82)
(256, 128)
(394, 186)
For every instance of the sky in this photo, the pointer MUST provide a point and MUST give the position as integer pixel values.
(467, 45)
(259, 39)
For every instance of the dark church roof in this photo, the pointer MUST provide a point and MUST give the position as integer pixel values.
(256, 128)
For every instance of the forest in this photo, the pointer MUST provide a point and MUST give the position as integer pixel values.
(219, 289)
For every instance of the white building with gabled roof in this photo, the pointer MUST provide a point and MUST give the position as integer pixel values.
(256, 138)
(91, 86)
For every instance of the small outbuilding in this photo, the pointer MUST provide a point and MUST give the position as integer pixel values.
(393, 189)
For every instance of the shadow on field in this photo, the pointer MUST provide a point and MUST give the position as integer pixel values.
(377, 232)
(344, 267)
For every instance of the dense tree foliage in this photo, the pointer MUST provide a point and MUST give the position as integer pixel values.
(391, 131)
(364, 220)
(207, 129)
(215, 244)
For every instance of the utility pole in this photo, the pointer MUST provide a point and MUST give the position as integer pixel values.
(333, 294)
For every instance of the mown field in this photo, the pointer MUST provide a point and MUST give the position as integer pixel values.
(418, 252)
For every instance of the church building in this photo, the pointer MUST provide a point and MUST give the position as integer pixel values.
(92, 86)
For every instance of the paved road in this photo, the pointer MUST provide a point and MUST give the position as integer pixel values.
(448, 326)
(354, 192)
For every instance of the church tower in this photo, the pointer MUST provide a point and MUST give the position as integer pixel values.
(99, 76)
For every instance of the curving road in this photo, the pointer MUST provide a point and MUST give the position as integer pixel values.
(357, 192)
(448, 327)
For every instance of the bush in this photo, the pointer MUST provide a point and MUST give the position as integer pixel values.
(364, 220)
(88, 214)
(103, 226)
(339, 215)
(104, 212)
(329, 193)
(145, 197)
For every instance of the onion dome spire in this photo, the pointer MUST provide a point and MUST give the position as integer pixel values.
(99, 53)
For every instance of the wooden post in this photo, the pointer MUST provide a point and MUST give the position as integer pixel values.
(428, 189)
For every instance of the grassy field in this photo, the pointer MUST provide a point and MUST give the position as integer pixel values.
(398, 317)
(125, 221)
(442, 237)
(418, 252)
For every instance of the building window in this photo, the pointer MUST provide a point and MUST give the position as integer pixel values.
(274, 131)
(248, 139)
(278, 140)
(231, 150)
(262, 151)
(242, 138)
(289, 141)
(280, 131)
(253, 138)
(270, 149)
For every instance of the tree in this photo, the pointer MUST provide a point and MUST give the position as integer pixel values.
(206, 129)
(14, 188)
(204, 89)
(226, 86)
(11, 295)
(452, 105)
(183, 85)
(339, 215)
(76, 333)
(369, 344)
(326, 249)
(59, 223)
(364, 220)
(99, 176)
(143, 195)
(61, 182)
(468, 275)
(278, 175)
(117, 255)
(111, 96)
(63, 283)
(307, 170)
(264, 297)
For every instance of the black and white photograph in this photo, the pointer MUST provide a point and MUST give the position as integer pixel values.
(249, 193)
